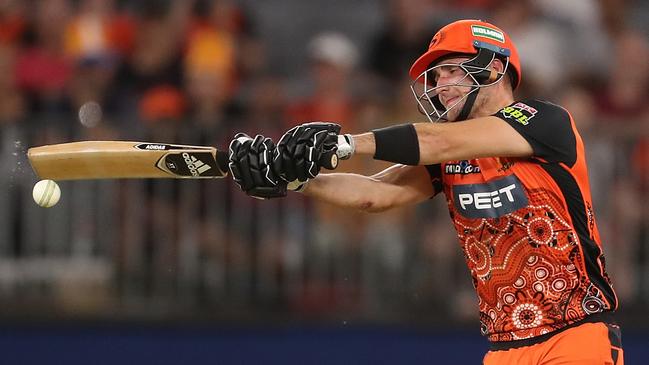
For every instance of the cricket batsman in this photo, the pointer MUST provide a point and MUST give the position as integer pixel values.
(514, 176)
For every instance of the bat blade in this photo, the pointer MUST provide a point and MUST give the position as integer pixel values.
(124, 159)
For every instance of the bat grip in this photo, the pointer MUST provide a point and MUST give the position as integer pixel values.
(329, 160)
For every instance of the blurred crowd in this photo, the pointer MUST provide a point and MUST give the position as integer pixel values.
(160, 69)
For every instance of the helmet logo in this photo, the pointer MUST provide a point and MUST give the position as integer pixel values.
(487, 32)
(436, 39)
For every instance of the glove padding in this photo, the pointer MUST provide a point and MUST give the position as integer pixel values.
(251, 166)
(300, 149)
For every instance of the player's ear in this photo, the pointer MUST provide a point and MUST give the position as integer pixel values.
(498, 65)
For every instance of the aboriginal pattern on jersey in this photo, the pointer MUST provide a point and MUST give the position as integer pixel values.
(527, 269)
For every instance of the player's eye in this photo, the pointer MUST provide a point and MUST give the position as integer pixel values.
(433, 75)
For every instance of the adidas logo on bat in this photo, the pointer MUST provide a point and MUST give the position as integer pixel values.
(196, 167)
(155, 147)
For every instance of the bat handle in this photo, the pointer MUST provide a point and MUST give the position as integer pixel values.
(329, 160)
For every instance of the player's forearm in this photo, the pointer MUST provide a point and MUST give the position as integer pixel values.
(364, 144)
(430, 141)
(351, 191)
(434, 144)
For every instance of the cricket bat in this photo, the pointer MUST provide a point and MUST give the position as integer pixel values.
(124, 159)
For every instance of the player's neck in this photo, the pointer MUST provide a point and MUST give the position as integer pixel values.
(491, 104)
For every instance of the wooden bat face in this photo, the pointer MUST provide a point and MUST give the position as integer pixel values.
(122, 159)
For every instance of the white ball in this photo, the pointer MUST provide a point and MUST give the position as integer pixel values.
(46, 193)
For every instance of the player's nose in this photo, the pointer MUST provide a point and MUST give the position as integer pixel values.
(443, 94)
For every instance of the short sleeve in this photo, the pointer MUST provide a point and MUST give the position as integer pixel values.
(546, 126)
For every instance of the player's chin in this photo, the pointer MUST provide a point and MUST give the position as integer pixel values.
(454, 112)
(451, 115)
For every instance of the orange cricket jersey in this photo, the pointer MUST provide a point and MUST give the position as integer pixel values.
(528, 233)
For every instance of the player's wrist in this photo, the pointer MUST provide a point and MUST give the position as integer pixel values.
(346, 146)
(364, 143)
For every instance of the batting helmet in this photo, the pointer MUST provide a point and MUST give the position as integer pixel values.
(466, 37)
(479, 40)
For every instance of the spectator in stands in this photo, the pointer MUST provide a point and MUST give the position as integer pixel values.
(623, 100)
(406, 32)
(43, 70)
(12, 103)
(332, 58)
(97, 39)
(152, 75)
(540, 44)
(12, 22)
(622, 106)
(211, 52)
(585, 40)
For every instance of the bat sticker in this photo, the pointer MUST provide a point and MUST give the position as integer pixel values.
(190, 164)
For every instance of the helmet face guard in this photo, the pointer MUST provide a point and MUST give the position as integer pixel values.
(478, 74)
